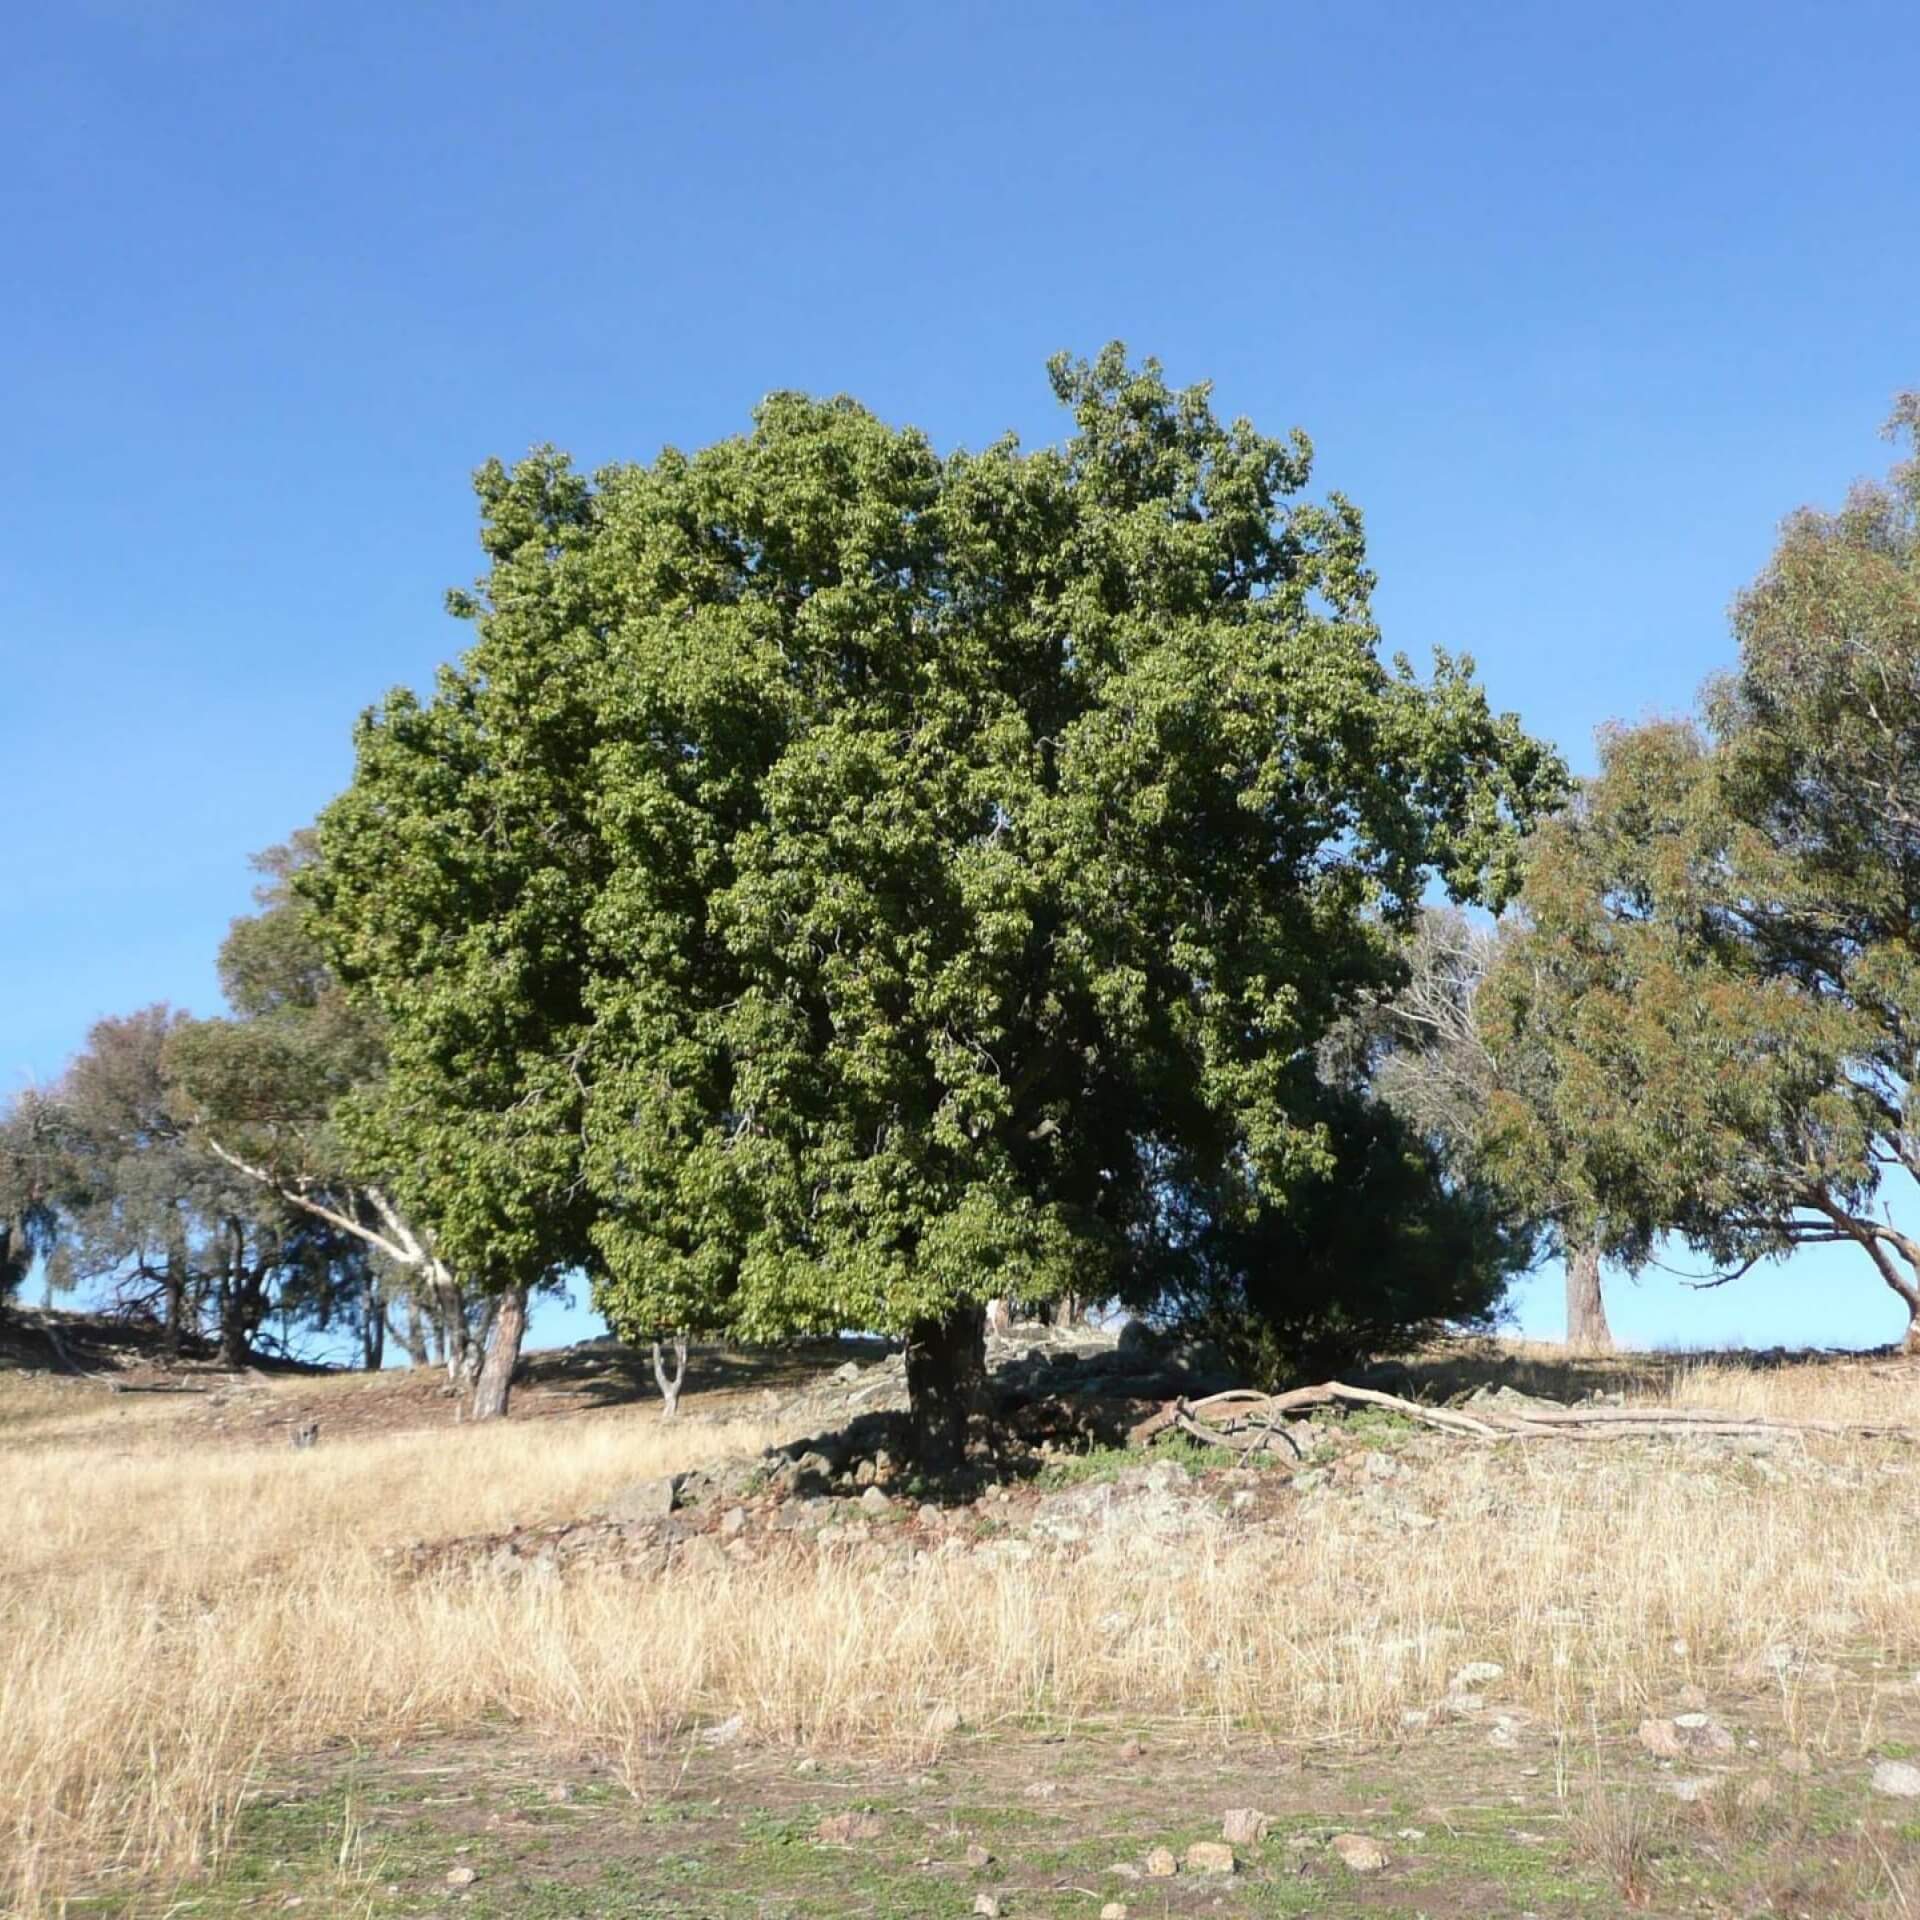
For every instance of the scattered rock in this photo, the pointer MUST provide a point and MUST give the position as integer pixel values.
(1756, 1792)
(985, 1903)
(1161, 1865)
(701, 1555)
(978, 1859)
(842, 1829)
(723, 1733)
(644, 1500)
(1246, 1828)
(1357, 1853)
(461, 1877)
(1898, 1779)
(1509, 1400)
(1211, 1856)
(875, 1501)
(1685, 1733)
(1794, 1760)
(943, 1721)
(1693, 1788)
(1114, 1910)
(1476, 1673)
(733, 1522)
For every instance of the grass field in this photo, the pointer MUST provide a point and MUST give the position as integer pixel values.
(220, 1684)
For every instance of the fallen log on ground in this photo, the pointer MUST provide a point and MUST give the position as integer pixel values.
(1251, 1422)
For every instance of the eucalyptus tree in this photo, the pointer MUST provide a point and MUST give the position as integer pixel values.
(1446, 1049)
(32, 1161)
(844, 883)
(1723, 950)
(1693, 1088)
(272, 1091)
(126, 1199)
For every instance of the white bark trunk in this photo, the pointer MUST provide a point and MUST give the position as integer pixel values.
(670, 1384)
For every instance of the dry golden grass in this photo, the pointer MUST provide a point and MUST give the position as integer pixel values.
(174, 1624)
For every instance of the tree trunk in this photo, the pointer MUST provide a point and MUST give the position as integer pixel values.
(503, 1355)
(413, 1335)
(1587, 1329)
(946, 1385)
(670, 1385)
(238, 1301)
(176, 1296)
(1068, 1310)
(373, 1334)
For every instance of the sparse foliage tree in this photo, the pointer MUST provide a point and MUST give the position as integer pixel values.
(1445, 1053)
(1722, 946)
(130, 1201)
(32, 1157)
(271, 1091)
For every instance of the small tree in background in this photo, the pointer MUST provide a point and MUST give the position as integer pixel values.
(33, 1151)
(273, 1090)
(1721, 955)
(1443, 1052)
(843, 884)
(125, 1198)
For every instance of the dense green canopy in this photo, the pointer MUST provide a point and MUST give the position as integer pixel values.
(843, 882)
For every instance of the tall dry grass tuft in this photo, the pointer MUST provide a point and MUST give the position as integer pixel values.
(173, 1625)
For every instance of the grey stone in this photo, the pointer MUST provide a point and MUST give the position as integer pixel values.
(644, 1499)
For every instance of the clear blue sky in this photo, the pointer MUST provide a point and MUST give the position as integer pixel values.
(1575, 302)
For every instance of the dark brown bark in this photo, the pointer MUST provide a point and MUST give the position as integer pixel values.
(176, 1305)
(1587, 1329)
(946, 1385)
(503, 1355)
(373, 1333)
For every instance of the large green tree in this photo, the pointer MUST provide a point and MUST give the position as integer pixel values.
(844, 883)
(1724, 935)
